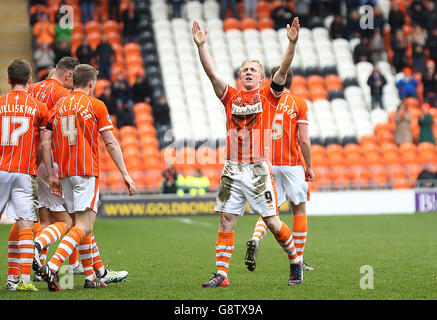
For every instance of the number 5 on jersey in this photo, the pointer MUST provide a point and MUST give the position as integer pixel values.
(68, 128)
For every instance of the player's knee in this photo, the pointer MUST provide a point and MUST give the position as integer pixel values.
(273, 223)
(227, 222)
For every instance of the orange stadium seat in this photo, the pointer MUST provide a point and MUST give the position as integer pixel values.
(373, 158)
(318, 92)
(94, 39)
(101, 84)
(140, 107)
(409, 158)
(354, 159)
(389, 147)
(128, 130)
(113, 38)
(413, 171)
(132, 48)
(248, 23)
(231, 24)
(407, 147)
(333, 82)
(351, 148)
(391, 158)
(263, 9)
(93, 27)
(368, 138)
(111, 26)
(334, 148)
(265, 23)
(315, 80)
(425, 147)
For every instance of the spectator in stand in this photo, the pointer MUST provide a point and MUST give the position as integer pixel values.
(87, 10)
(108, 100)
(160, 111)
(250, 9)
(125, 115)
(62, 49)
(427, 178)
(426, 123)
(44, 30)
(35, 17)
(130, 21)
(105, 56)
(399, 47)
(282, 15)
(418, 44)
(114, 10)
(376, 83)
(377, 47)
(224, 4)
(121, 91)
(303, 11)
(396, 18)
(431, 16)
(407, 85)
(142, 90)
(84, 52)
(337, 29)
(432, 45)
(62, 32)
(169, 179)
(44, 57)
(429, 80)
(353, 29)
(362, 51)
(402, 119)
(352, 5)
(416, 11)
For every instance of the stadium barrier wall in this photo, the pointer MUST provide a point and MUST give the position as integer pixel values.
(321, 203)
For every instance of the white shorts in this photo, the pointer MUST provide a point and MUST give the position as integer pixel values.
(251, 182)
(45, 197)
(290, 182)
(80, 193)
(20, 192)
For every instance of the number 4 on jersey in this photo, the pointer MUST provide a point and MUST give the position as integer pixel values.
(69, 130)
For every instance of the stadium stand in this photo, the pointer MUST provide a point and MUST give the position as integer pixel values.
(353, 144)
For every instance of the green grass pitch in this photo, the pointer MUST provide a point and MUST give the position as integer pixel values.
(169, 258)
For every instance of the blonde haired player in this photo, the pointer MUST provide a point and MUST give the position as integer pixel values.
(74, 125)
(291, 150)
(247, 171)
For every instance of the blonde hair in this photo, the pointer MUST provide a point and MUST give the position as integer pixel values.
(261, 67)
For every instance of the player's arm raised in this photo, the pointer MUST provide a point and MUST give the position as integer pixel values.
(199, 37)
(292, 35)
(116, 154)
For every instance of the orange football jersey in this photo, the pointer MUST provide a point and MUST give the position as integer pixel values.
(290, 112)
(248, 122)
(48, 91)
(76, 121)
(21, 119)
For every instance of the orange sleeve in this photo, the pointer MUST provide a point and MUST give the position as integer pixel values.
(227, 95)
(44, 111)
(303, 116)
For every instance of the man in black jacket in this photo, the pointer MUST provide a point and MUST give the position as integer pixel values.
(376, 82)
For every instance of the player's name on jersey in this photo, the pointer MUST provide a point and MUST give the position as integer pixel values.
(78, 108)
(18, 108)
(248, 109)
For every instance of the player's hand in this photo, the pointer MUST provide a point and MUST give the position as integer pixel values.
(293, 30)
(199, 36)
(309, 174)
(130, 184)
(55, 186)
